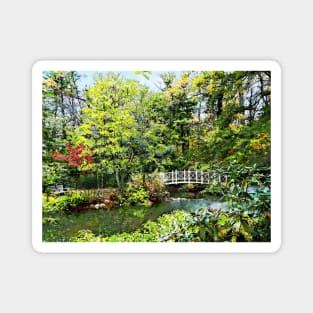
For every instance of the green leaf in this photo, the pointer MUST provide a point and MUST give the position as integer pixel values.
(236, 226)
(233, 239)
(222, 221)
(202, 233)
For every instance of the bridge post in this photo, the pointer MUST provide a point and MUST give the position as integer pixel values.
(196, 176)
(184, 176)
(188, 176)
(201, 177)
(176, 176)
(172, 177)
(208, 177)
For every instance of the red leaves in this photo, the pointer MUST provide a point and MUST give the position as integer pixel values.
(76, 156)
(58, 156)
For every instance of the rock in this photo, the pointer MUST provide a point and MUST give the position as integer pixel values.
(109, 204)
(112, 197)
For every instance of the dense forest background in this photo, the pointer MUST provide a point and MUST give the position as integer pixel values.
(119, 126)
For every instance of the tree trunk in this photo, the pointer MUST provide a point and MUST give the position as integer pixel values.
(117, 178)
(120, 180)
(219, 104)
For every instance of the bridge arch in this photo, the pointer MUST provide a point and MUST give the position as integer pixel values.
(192, 177)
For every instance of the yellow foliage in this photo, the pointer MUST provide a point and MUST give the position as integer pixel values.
(239, 116)
(50, 83)
(234, 126)
(262, 142)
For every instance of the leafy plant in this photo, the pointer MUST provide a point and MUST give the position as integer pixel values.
(137, 196)
(77, 198)
(84, 236)
(63, 203)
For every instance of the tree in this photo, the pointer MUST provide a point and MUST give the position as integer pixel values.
(234, 101)
(181, 106)
(151, 141)
(79, 158)
(108, 125)
(62, 103)
(196, 118)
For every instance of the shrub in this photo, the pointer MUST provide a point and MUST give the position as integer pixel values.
(136, 196)
(77, 198)
(152, 230)
(63, 203)
(154, 184)
(214, 188)
(204, 225)
(214, 226)
(55, 205)
(85, 236)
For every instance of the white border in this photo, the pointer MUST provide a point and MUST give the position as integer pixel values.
(169, 65)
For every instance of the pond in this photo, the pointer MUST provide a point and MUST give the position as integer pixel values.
(108, 222)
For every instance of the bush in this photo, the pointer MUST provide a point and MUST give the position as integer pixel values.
(141, 191)
(55, 205)
(151, 231)
(215, 188)
(63, 203)
(204, 225)
(77, 198)
(207, 225)
(85, 236)
(136, 196)
(152, 184)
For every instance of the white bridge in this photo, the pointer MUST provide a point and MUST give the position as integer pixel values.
(192, 177)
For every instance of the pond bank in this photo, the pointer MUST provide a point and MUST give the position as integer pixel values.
(122, 219)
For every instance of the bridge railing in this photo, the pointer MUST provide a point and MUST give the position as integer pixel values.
(192, 177)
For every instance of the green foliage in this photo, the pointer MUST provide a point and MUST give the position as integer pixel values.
(136, 236)
(118, 124)
(64, 203)
(76, 199)
(204, 225)
(214, 188)
(84, 236)
(136, 196)
(55, 205)
(154, 184)
(243, 221)
(53, 173)
(49, 175)
(246, 219)
(217, 226)
(151, 184)
(210, 120)
(197, 118)
(62, 102)
(151, 231)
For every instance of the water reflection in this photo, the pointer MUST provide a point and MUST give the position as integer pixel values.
(195, 204)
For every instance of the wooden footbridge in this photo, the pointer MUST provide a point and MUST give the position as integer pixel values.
(192, 177)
